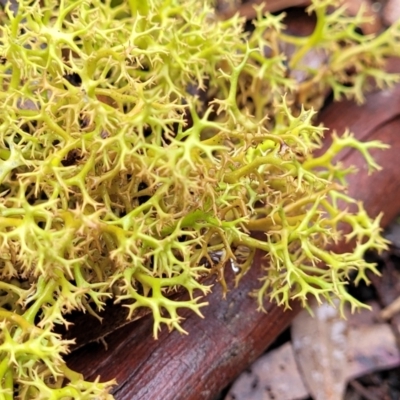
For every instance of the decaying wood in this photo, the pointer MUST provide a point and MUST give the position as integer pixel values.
(377, 119)
(196, 366)
(248, 9)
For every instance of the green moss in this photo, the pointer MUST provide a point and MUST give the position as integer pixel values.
(140, 144)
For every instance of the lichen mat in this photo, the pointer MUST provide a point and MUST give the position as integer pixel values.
(140, 140)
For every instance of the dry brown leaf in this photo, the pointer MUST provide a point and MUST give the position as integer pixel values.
(320, 347)
(370, 347)
(273, 376)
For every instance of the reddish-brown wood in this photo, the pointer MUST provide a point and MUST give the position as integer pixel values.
(196, 366)
(377, 119)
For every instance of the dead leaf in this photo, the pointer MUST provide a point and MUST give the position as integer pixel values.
(273, 376)
(371, 348)
(320, 347)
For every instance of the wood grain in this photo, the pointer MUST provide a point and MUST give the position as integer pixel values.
(196, 366)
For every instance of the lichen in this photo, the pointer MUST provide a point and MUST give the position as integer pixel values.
(142, 142)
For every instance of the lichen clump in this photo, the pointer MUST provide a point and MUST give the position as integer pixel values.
(141, 143)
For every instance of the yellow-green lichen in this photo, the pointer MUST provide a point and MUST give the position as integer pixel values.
(141, 142)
